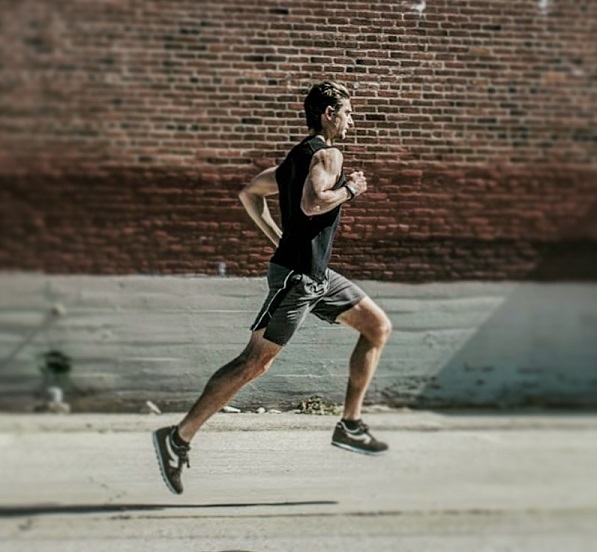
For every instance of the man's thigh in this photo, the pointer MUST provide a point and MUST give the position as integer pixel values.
(261, 350)
(366, 316)
(341, 296)
(288, 302)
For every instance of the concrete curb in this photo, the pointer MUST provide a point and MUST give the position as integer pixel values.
(221, 422)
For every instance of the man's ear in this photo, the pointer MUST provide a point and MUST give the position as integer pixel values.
(329, 111)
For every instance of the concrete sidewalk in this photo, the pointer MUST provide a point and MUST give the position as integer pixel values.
(271, 482)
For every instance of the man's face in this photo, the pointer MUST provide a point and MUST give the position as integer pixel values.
(342, 119)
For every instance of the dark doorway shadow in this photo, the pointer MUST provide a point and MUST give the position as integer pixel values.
(538, 348)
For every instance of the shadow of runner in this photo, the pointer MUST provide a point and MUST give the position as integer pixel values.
(57, 509)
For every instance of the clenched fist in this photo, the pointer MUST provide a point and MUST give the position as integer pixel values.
(358, 181)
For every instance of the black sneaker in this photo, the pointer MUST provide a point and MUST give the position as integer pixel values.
(171, 457)
(357, 440)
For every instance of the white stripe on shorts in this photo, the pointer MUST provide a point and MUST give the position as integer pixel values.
(266, 309)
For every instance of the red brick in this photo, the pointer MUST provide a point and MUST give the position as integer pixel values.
(474, 123)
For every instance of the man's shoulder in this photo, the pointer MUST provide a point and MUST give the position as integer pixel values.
(330, 156)
(312, 150)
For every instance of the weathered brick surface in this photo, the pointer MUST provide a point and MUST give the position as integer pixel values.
(126, 129)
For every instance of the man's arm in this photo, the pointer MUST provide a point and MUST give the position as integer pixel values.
(318, 194)
(253, 195)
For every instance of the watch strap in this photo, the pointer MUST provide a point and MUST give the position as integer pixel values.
(351, 190)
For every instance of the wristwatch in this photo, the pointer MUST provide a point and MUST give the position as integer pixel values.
(351, 190)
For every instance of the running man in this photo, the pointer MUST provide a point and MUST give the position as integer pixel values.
(312, 187)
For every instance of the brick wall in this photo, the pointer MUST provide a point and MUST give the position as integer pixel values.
(127, 128)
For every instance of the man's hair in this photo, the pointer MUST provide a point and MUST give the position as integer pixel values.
(322, 95)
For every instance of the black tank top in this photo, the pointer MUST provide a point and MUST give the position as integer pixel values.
(306, 243)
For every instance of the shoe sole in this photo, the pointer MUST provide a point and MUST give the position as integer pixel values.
(156, 448)
(350, 448)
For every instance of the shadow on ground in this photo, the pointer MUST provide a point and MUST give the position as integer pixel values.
(58, 509)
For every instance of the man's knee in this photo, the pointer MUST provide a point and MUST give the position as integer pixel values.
(381, 329)
(369, 320)
(251, 367)
(258, 357)
(377, 329)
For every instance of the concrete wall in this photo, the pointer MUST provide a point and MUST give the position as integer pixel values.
(135, 338)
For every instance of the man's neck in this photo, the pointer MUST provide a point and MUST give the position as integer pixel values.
(321, 135)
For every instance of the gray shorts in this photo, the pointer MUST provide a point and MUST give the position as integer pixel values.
(293, 295)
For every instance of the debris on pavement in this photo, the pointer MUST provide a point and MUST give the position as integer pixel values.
(317, 405)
